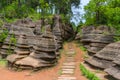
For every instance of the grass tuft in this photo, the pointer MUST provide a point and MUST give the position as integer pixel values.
(87, 73)
(3, 62)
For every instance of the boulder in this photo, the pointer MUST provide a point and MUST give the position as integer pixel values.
(32, 62)
(14, 57)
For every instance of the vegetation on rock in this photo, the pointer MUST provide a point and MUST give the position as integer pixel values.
(90, 75)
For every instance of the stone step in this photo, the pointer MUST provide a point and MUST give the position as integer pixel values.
(67, 72)
(66, 78)
(68, 67)
(69, 60)
(66, 75)
(69, 64)
(70, 57)
(71, 51)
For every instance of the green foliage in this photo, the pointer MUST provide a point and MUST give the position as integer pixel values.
(88, 74)
(1, 23)
(10, 11)
(3, 62)
(3, 35)
(13, 41)
(105, 12)
(83, 48)
(24, 11)
(13, 11)
(116, 38)
(94, 12)
(35, 16)
(59, 72)
(8, 20)
(102, 12)
(117, 31)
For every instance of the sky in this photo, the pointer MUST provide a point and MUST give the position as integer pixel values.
(79, 12)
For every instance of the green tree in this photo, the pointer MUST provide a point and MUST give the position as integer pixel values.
(94, 12)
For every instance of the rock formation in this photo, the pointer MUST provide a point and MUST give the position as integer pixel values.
(96, 38)
(68, 32)
(114, 71)
(7, 47)
(104, 58)
(27, 22)
(57, 31)
(66, 29)
(38, 43)
(42, 55)
(108, 59)
(21, 51)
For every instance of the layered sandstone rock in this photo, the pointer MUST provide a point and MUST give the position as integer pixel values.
(66, 29)
(21, 51)
(7, 47)
(108, 59)
(96, 38)
(38, 43)
(42, 55)
(104, 58)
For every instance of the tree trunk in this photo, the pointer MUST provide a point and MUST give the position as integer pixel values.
(97, 13)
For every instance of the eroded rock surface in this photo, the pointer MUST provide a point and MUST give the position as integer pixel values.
(108, 59)
(38, 43)
(96, 38)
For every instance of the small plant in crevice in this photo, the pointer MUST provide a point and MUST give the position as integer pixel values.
(60, 72)
(12, 42)
(85, 56)
(43, 29)
(83, 48)
(3, 62)
(98, 71)
(87, 73)
(116, 38)
(3, 35)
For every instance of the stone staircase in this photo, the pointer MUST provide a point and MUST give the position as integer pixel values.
(68, 67)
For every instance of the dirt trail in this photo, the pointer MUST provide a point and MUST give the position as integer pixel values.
(75, 55)
(49, 73)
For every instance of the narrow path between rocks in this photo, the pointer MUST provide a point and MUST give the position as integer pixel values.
(66, 69)
(70, 67)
